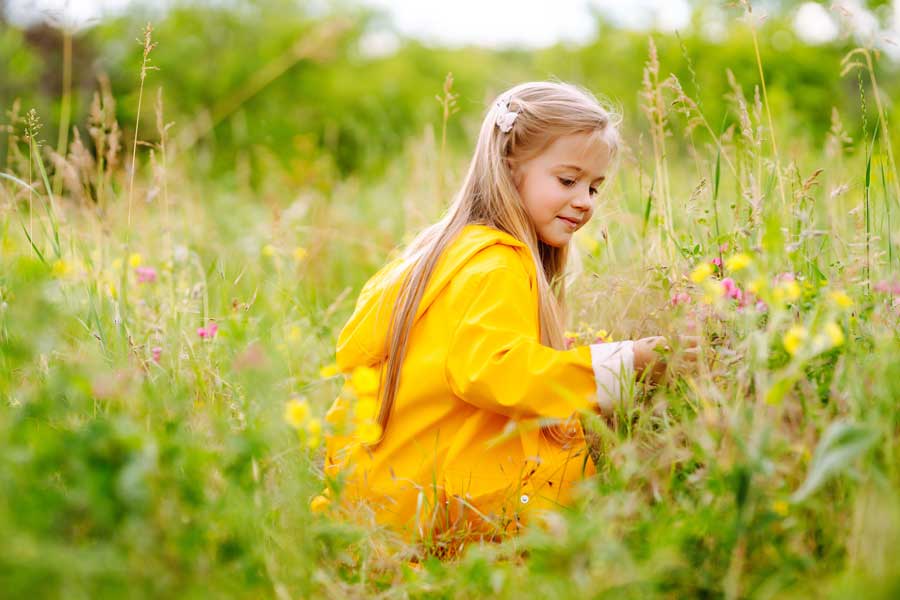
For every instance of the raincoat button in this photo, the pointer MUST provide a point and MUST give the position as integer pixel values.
(524, 499)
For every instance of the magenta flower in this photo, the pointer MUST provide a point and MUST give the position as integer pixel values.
(761, 306)
(716, 262)
(145, 274)
(209, 331)
(156, 352)
(731, 289)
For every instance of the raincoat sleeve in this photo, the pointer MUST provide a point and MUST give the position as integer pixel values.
(496, 361)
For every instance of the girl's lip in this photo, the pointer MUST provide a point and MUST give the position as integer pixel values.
(574, 223)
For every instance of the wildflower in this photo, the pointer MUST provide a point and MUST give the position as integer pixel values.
(294, 333)
(780, 508)
(716, 262)
(738, 262)
(679, 298)
(134, 260)
(761, 306)
(701, 272)
(364, 380)
(731, 289)
(756, 286)
(156, 353)
(61, 268)
(328, 371)
(835, 334)
(794, 338)
(369, 432)
(268, 250)
(299, 253)
(145, 274)
(586, 242)
(601, 335)
(296, 412)
(789, 289)
(319, 504)
(209, 331)
(314, 433)
(841, 299)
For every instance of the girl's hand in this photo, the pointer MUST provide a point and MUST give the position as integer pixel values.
(650, 363)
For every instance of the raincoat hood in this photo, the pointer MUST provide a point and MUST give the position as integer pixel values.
(364, 339)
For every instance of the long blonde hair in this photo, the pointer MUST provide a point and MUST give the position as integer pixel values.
(488, 196)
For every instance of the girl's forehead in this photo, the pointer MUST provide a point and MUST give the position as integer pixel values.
(588, 151)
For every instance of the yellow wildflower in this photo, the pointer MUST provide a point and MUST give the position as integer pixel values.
(364, 380)
(587, 242)
(369, 432)
(328, 371)
(780, 507)
(756, 286)
(294, 333)
(701, 272)
(299, 253)
(738, 262)
(319, 504)
(570, 335)
(296, 412)
(61, 268)
(268, 250)
(835, 333)
(794, 338)
(313, 433)
(841, 299)
(134, 260)
(603, 335)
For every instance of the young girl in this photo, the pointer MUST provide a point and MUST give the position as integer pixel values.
(478, 398)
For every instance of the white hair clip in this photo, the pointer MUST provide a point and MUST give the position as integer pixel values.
(505, 117)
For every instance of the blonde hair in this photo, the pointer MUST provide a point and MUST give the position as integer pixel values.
(488, 196)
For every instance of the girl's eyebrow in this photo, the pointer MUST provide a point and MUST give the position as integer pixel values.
(580, 170)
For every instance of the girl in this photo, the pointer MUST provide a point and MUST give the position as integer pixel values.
(477, 398)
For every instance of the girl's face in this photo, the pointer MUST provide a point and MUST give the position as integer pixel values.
(559, 185)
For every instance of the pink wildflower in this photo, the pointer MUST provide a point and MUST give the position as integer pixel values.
(731, 289)
(156, 352)
(717, 262)
(209, 331)
(882, 286)
(145, 274)
(785, 277)
(761, 306)
(723, 247)
(679, 298)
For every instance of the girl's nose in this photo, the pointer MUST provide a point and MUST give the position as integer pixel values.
(583, 199)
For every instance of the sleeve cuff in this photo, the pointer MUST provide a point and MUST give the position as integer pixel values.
(613, 364)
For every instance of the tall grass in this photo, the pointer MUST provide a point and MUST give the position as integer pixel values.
(144, 449)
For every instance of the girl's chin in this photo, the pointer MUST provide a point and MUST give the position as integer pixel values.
(556, 239)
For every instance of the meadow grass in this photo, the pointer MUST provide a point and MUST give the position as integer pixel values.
(154, 327)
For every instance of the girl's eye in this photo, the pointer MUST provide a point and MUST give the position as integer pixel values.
(593, 191)
(566, 182)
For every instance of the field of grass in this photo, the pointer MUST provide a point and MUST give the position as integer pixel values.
(155, 325)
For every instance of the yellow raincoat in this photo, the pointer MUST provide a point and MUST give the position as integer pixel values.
(463, 449)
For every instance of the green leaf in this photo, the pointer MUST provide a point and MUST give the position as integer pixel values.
(842, 443)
